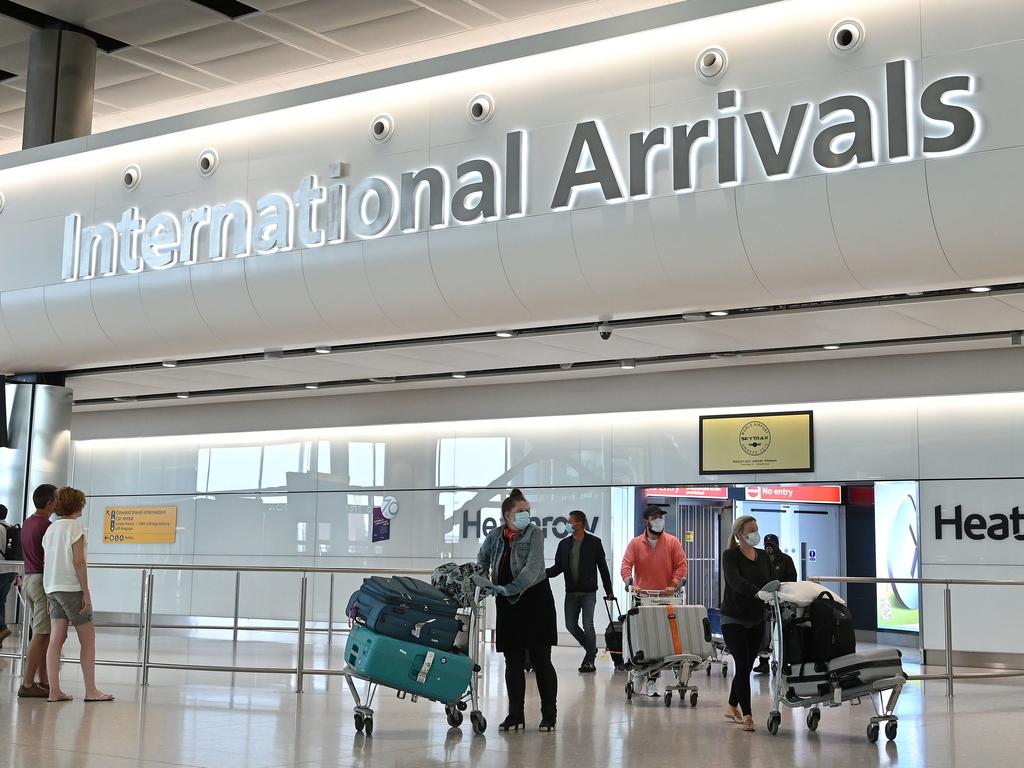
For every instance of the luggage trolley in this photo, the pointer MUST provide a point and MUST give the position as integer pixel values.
(679, 643)
(472, 615)
(839, 683)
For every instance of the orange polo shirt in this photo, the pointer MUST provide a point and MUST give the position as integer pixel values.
(654, 567)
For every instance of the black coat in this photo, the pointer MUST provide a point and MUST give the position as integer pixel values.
(527, 623)
(592, 560)
(783, 567)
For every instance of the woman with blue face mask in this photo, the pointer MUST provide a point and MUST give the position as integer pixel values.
(526, 623)
(745, 570)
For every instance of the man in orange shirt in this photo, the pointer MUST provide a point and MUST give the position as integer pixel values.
(654, 560)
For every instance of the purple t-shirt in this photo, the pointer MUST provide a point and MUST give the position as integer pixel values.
(32, 531)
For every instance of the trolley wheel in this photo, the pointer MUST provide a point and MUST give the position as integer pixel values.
(890, 730)
(462, 706)
(812, 719)
(774, 721)
(668, 698)
(479, 722)
(872, 732)
(775, 667)
(368, 725)
(620, 667)
(629, 691)
(725, 669)
(360, 723)
(454, 718)
(693, 699)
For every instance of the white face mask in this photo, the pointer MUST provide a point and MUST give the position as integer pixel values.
(657, 525)
(753, 539)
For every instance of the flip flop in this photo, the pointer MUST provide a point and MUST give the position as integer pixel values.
(105, 697)
(65, 697)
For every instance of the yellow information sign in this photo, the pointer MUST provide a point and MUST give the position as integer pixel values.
(140, 525)
(763, 442)
(689, 537)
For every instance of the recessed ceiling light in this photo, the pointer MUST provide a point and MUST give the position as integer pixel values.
(565, 366)
(312, 386)
(915, 293)
(980, 289)
(628, 365)
(692, 317)
(719, 313)
(504, 334)
(169, 363)
(323, 350)
(1015, 338)
(383, 380)
(831, 346)
(458, 375)
(183, 395)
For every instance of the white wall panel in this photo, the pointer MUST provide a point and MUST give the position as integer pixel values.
(29, 327)
(403, 283)
(787, 231)
(279, 294)
(950, 25)
(979, 437)
(888, 240)
(225, 304)
(121, 314)
(170, 306)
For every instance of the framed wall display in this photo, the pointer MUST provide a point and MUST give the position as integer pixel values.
(759, 442)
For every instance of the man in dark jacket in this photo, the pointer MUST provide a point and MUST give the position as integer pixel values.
(783, 569)
(580, 557)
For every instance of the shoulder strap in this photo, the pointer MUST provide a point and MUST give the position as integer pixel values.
(676, 642)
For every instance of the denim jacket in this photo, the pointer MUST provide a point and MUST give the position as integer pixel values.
(527, 558)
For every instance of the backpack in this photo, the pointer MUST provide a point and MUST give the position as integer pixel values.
(832, 633)
(12, 542)
(455, 580)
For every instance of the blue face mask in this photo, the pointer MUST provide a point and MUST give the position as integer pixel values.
(522, 519)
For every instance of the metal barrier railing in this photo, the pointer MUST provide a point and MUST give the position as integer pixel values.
(947, 601)
(146, 624)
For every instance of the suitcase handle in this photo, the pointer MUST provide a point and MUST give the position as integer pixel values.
(608, 608)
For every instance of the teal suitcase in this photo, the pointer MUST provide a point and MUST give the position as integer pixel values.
(416, 669)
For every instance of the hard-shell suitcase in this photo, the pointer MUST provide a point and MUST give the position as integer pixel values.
(613, 634)
(406, 609)
(855, 670)
(414, 669)
(658, 631)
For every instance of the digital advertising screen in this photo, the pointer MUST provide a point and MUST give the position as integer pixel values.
(898, 555)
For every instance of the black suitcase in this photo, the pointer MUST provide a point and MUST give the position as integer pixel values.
(613, 634)
(406, 609)
(832, 629)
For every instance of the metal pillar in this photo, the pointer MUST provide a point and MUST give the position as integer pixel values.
(59, 89)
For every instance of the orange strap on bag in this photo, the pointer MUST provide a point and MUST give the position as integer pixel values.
(676, 642)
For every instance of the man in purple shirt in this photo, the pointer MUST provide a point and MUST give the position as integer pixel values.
(35, 597)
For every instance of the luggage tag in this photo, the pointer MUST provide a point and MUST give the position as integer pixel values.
(428, 662)
(418, 629)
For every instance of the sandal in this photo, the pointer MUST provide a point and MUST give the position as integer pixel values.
(748, 723)
(102, 697)
(733, 714)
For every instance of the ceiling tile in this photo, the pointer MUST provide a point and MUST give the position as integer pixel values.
(301, 38)
(146, 91)
(265, 62)
(154, 62)
(114, 70)
(156, 20)
(13, 120)
(216, 42)
(512, 9)
(461, 11)
(12, 31)
(84, 12)
(393, 31)
(324, 15)
(14, 57)
(10, 98)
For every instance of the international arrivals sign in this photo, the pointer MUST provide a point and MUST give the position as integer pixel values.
(839, 133)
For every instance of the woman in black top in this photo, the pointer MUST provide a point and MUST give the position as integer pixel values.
(746, 570)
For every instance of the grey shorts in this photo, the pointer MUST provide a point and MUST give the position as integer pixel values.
(67, 606)
(36, 603)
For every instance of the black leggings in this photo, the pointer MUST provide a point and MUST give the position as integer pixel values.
(515, 678)
(744, 644)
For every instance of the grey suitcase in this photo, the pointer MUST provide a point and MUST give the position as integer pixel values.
(853, 671)
(650, 636)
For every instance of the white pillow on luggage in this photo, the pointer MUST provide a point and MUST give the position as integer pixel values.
(800, 593)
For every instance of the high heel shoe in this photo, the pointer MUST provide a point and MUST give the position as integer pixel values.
(513, 723)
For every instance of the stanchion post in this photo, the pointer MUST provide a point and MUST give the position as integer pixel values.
(234, 623)
(301, 661)
(142, 601)
(330, 613)
(147, 629)
(948, 618)
(26, 625)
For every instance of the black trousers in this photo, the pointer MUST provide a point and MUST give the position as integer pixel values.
(744, 644)
(543, 669)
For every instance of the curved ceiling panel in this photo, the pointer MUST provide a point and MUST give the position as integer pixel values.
(29, 326)
(279, 294)
(976, 203)
(69, 307)
(540, 260)
(222, 297)
(888, 240)
(403, 283)
(702, 251)
(170, 307)
(615, 248)
(120, 310)
(788, 235)
(336, 280)
(467, 265)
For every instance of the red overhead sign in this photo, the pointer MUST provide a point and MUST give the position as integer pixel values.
(695, 492)
(806, 494)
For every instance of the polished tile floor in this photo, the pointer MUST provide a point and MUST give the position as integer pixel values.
(224, 720)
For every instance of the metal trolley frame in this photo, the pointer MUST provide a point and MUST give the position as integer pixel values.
(363, 712)
(884, 707)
